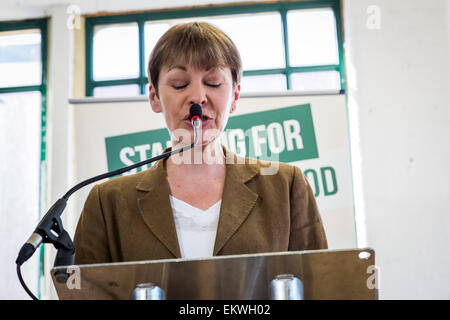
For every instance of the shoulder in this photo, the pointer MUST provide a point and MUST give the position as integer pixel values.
(119, 182)
(140, 181)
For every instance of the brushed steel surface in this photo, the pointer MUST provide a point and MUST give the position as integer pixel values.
(325, 274)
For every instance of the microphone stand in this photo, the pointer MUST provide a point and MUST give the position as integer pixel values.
(50, 229)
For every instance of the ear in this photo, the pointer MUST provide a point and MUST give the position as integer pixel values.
(235, 98)
(155, 103)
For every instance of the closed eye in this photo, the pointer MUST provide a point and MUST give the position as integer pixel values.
(213, 85)
(179, 87)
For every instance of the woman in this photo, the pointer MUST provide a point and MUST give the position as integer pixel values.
(186, 208)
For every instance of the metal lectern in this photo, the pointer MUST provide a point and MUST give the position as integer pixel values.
(324, 274)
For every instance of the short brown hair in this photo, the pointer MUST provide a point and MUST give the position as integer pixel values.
(197, 43)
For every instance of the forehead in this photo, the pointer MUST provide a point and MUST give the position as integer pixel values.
(203, 56)
(191, 68)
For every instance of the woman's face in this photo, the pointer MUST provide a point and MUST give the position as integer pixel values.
(181, 86)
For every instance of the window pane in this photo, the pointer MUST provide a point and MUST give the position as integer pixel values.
(318, 80)
(258, 38)
(152, 32)
(264, 83)
(20, 58)
(128, 90)
(250, 33)
(20, 137)
(116, 52)
(312, 37)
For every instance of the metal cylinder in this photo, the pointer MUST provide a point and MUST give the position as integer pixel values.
(286, 287)
(148, 291)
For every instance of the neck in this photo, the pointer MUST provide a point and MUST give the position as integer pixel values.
(205, 159)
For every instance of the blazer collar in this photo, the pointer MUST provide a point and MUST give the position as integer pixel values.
(155, 208)
(237, 201)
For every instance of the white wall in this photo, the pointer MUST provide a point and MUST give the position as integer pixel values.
(399, 93)
(26, 9)
(59, 125)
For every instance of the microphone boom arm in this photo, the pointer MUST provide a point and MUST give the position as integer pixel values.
(50, 228)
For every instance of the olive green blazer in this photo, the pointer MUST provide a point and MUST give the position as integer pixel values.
(130, 218)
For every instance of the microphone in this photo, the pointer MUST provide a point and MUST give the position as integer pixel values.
(195, 115)
(51, 221)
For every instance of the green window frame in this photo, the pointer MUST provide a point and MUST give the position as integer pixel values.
(40, 24)
(142, 18)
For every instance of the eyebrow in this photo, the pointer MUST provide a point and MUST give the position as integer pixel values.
(178, 67)
(185, 69)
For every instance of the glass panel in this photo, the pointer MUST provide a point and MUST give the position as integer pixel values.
(152, 33)
(20, 58)
(20, 138)
(264, 83)
(312, 37)
(250, 33)
(128, 90)
(116, 52)
(258, 38)
(318, 80)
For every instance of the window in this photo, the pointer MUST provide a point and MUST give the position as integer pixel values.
(284, 46)
(23, 55)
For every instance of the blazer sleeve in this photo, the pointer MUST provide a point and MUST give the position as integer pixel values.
(307, 231)
(91, 241)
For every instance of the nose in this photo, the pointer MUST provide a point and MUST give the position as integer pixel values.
(198, 94)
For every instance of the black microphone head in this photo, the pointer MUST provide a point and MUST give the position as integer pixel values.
(195, 110)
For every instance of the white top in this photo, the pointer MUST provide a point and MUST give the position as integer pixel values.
(196, 228)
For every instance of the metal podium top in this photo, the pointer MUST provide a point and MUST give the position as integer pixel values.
(325, 274)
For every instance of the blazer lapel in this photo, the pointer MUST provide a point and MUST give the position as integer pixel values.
(237, 202)
(237, 199)
(155, 207)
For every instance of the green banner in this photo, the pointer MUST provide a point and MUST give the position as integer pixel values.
(285, 134)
